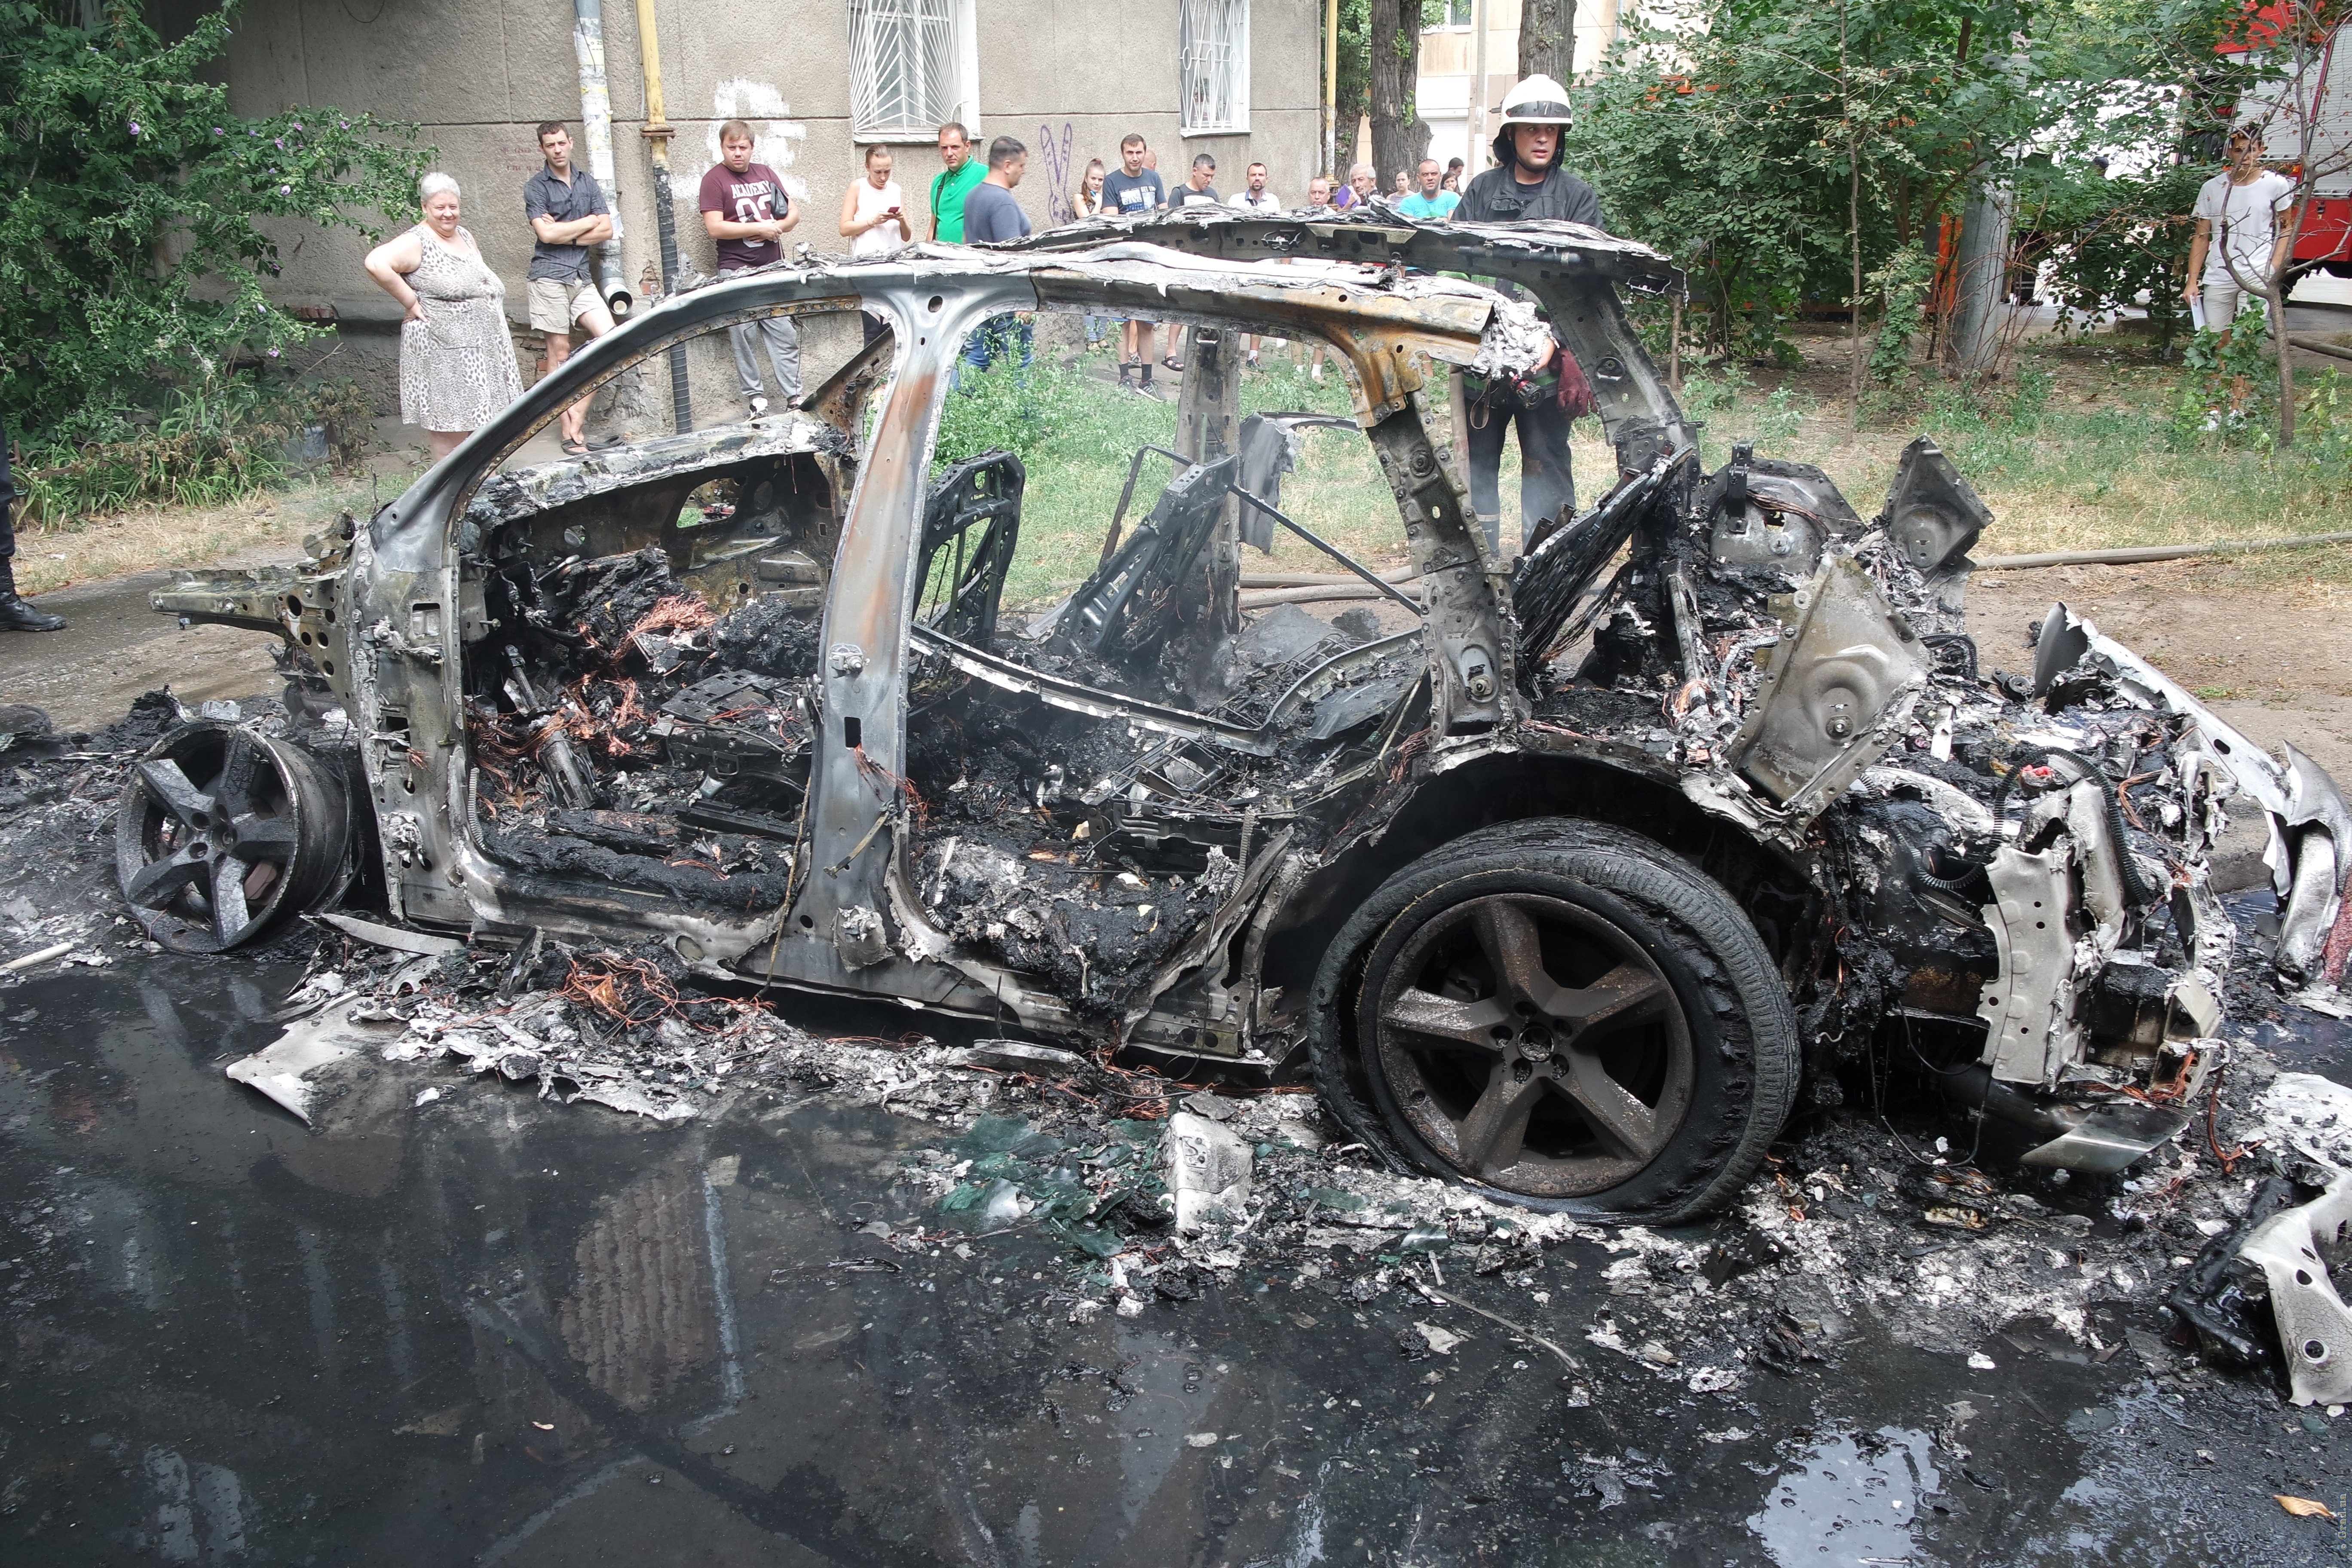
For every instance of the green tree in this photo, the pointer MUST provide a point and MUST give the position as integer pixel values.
(1784, 150)
(1354, 97)
(133, 257)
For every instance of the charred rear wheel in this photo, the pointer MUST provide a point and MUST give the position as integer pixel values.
(1532, 1043)
(223, 832)
(1564, 1014)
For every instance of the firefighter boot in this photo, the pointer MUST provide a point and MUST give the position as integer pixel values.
(16, 613)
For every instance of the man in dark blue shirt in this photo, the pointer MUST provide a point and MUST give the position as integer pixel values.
(991, 216)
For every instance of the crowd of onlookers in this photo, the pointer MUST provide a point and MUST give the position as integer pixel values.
(458, 363)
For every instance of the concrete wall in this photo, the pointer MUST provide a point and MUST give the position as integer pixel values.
(1068, 78)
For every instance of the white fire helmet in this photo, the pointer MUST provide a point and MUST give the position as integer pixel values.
(1536, 100)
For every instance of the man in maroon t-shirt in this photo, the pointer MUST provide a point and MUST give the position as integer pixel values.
(745, 209)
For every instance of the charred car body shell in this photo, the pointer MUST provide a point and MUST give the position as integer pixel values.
(1772, 694)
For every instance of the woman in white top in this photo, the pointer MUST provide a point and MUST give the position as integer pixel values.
(874, 220)
(1086, 201)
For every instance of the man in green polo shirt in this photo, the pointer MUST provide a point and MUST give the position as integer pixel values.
(953, 183)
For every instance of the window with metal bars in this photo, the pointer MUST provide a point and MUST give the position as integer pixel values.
(903, 67)
(1212, 65)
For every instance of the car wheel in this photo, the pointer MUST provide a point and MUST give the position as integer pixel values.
(1559, 1015)
(222, 833)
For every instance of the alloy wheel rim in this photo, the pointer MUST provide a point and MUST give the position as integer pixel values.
(1534, 1045)
(212, 843)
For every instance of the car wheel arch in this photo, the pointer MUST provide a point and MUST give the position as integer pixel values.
(1745, 1043)
(1530, 785)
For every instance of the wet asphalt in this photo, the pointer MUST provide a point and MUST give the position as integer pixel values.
(492, 1329)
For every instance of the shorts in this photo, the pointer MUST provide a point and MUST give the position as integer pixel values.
(557, 303)
(2223, 299)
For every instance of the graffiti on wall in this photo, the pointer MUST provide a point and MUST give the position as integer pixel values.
(1054, 153)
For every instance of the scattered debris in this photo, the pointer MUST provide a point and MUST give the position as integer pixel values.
(1208, 1171)
(287, 1070)
(2297, 1251)
(1441, 1341)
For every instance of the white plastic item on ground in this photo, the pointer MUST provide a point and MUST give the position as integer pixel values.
(2310, 1113)
(284, 1070)
(1208, 1171)
(397, 938)
(2314, 1327)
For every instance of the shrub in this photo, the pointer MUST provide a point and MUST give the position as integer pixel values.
(2229, 391)
(132, 259)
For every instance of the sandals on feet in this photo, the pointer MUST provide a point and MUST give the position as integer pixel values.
(574, 449)
(1172, 363)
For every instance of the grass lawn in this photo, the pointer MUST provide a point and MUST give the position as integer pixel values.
(265, 526)
(2085, 459)
(2089, 464)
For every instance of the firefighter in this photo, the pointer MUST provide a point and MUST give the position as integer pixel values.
(1527, 185)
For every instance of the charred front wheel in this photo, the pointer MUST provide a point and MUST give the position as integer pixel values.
(223, 832)
(1565, 1015)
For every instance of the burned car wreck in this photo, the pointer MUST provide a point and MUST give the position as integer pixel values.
(1561, 882)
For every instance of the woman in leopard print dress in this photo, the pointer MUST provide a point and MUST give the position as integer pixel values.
(457, 356)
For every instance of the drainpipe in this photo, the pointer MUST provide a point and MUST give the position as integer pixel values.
(1482, 17)
(596, 129)
(1331, 89)
(657, 131)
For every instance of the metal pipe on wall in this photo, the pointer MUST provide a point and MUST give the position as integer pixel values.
(596, 131)
(657, 131)
(1482, 17)
(1331, 87)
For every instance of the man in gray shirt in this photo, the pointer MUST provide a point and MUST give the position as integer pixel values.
(1200, 189)
(568, 213)
(991, 216)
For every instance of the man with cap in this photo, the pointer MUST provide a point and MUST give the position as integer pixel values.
(1528, 186)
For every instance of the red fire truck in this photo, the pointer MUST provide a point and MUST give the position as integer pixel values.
(2301, 39)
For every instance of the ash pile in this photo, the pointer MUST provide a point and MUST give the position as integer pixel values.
(623, 730)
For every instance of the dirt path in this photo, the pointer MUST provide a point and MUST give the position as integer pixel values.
(2271, 654)
(114, 647)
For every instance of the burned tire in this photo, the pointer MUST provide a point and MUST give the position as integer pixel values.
(1563, 1016)
(223, 832)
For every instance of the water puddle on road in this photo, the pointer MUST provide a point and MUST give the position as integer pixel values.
(498, 1330)
(1848, 1497)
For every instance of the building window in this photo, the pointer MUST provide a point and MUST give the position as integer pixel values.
(1454, 16)
(910, 67)
(1212, 65)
